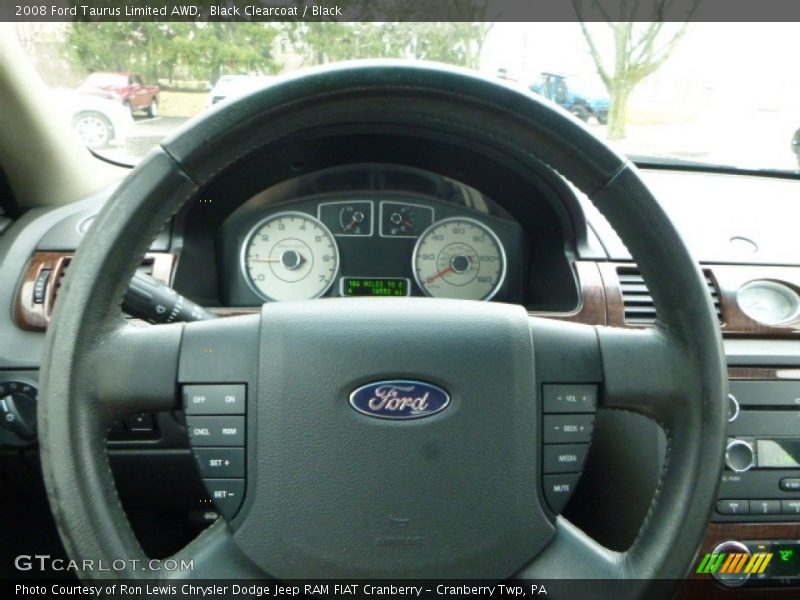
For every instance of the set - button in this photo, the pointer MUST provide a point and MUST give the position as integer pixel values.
(568, 424)
(215, 420)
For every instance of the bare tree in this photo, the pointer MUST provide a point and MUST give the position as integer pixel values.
(640, 48)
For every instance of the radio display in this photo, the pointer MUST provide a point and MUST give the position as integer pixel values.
(778, 453)
(375, 286)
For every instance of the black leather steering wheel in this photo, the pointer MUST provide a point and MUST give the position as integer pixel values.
(322, 478)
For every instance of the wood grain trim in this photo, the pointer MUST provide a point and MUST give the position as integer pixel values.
(35, 317)
(29, 315)
(762, 373)
(728, 278)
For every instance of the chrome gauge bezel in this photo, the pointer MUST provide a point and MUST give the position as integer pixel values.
(500, 280)
(289, 213)
(778, 287)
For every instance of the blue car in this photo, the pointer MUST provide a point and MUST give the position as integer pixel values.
(580, 103)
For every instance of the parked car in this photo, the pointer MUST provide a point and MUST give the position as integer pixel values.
(127, 88)
(99, 122)
(581, 103)
(234, 86)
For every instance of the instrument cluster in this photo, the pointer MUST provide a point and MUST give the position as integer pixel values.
(368, 246)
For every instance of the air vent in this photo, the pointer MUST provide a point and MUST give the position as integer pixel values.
(148, 263)
(639, 307)
(44, 279)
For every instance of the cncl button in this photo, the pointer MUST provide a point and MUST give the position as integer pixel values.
(216, 431)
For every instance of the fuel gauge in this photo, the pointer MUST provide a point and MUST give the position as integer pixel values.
(401, 219)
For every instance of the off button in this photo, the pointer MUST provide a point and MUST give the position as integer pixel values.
(214, 399)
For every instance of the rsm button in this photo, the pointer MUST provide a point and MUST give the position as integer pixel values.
(216, 431)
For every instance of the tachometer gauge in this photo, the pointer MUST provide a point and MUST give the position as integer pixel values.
(769, 302)
(290, 256)
(459, 258)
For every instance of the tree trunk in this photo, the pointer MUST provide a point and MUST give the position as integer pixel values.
(618, 111)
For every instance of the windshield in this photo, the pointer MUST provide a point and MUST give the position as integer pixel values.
(718, 93)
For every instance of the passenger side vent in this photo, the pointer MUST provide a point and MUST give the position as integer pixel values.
(639, 306)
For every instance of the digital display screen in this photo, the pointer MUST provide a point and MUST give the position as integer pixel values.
(778, 453)
(375, 286)
(785, 559)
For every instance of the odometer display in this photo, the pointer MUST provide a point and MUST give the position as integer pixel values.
(459, 258)
(375, 286)
(290, 256)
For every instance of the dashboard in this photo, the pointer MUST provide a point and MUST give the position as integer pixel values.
(378, 229)
(372, 229)
(360, 245)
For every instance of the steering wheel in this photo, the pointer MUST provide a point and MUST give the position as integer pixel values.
(323, 480)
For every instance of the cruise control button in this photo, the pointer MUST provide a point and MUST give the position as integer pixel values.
(214, 399)
(558, 490)
(765, 507)
(790, 507)
(790, 484)
(568, 429)
(569, 398)
(220, 462)
(564, 458)
(733, 507)
(216, 431)
(227, 495)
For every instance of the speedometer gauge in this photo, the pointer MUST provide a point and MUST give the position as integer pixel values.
(290, 256)
(459, 258)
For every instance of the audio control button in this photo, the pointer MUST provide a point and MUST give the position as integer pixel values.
(564, 458)
(569, 398)
(790, 507)
(790, 484)
(739, 456)
(733, 507)
(568, 429)
(765, 507)
(558, 490)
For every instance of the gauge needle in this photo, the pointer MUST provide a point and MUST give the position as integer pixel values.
(266, 260)
(439, 274)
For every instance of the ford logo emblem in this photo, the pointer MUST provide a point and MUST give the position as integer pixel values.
(399, 399)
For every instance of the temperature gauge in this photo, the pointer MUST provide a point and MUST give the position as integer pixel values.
(348, 218)
(401, 219)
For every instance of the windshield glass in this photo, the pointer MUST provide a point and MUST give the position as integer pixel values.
(718, 93)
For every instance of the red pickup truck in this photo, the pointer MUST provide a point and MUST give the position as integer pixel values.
(125, 87)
